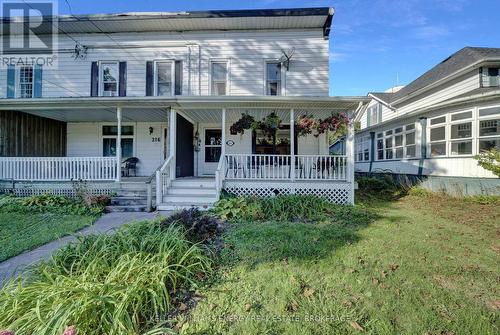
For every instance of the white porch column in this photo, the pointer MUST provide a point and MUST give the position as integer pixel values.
(292, 144)
(173, 141)
(119, 144)
(223, 139)
(349, 148)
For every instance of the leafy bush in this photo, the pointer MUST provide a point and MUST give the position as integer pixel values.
(54, 204)
(238, 208)
(198, 226)
(106, 284)
(490, 160)
(294, 208)
(371, 184)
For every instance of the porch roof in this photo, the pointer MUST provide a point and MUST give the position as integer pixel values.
(88, 109)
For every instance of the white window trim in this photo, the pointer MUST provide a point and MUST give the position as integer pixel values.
(392, 136)
(362, 143)
(228, 76)
(467, 139)
(405, 145)
(282, 90)
(133, 137)
(478, 125)
(101, 82)
(446, 135)
(155, 76)
(17, 86)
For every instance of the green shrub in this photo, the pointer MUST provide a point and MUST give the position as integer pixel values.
(199, 227)
(490, 160)
(292, 208)
(371, 184)
(106, 284)
(54, 204)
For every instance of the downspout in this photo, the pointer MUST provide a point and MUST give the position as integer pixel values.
(372, 150)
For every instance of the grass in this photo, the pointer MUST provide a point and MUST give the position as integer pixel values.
(424, 264)
(124, 283)
(25, 231)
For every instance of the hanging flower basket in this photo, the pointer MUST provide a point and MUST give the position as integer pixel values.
(269, 125)
(305, 125)
(332, 123)
(246, 121)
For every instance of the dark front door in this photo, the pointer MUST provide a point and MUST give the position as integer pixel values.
(184, 148)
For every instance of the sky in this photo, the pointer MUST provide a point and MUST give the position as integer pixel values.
(374, 44)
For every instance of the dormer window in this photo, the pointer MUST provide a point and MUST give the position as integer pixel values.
(490, 77)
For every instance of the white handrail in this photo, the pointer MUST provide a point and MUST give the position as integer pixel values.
(58, 168)
(163, 179)
(219, 176)
(284, 167)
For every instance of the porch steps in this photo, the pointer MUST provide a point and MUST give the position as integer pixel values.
(185, 193)
(130, 197)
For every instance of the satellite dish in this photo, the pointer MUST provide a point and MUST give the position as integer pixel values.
(286, 57)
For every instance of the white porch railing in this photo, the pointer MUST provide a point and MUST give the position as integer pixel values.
(58, 168)
(285, 167)
(219, 176)
(164, 176)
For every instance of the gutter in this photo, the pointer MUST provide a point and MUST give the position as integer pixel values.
(388, 105)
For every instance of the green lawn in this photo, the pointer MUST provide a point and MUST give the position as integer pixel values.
(422, 265)
(22, 231)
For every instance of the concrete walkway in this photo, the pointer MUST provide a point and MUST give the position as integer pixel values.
(105, 224)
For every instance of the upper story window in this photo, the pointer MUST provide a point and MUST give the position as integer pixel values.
(273, 78)
(490, 77)
(109, 76)
(219, 76)
(164, 78)
(374, 115)
(26, 80)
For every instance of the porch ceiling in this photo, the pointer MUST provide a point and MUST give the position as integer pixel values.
(199, 108)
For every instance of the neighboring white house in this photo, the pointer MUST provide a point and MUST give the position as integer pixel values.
(435, 125)
(165, 88)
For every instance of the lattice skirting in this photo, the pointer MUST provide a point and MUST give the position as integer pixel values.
(26, 189)
(336, 192)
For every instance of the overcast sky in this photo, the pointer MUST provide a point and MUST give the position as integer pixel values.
(374, 44)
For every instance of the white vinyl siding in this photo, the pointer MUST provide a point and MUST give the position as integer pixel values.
(247, 51)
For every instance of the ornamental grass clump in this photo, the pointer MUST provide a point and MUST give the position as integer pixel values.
(123, 283)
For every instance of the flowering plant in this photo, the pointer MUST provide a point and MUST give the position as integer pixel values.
(332, 123)
(246, 121)
(305, 125)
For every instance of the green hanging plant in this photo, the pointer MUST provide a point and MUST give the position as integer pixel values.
(269, 125)
(246, 121)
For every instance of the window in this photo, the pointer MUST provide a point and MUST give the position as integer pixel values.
(109, 78)
(273, 78)
(461, 134)
(109, 134)
(219, 78)
(213, 145)
(437, 136)
(164, 74)
(410, 144)
(26, 82)
(374, 114)
(264, 145)
(388, 145)
(490, 77)
(489, 128)
(380, 146)
(362, 148)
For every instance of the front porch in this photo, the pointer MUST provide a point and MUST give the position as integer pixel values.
(187, 137)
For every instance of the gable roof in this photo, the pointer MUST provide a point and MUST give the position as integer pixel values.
(287, 18)
(461, 59)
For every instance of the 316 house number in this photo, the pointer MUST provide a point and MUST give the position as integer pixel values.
(155, 139)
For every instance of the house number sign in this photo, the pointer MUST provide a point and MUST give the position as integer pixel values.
(155, 139)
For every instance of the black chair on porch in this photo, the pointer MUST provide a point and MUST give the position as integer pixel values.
(129, 164)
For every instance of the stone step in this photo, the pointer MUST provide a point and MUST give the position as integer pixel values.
(135, 186)
(131, 193)
(126, 208)
(128, 201)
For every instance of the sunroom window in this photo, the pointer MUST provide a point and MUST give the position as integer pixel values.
(489, 128)
(461, 134)
(380, 146)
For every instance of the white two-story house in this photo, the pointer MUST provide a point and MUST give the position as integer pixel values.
(433, 127)
(146, 97)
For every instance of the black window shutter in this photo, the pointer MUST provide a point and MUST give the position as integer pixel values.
(149, 78)
(178, 77)
(123, 79)
(94, 79)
